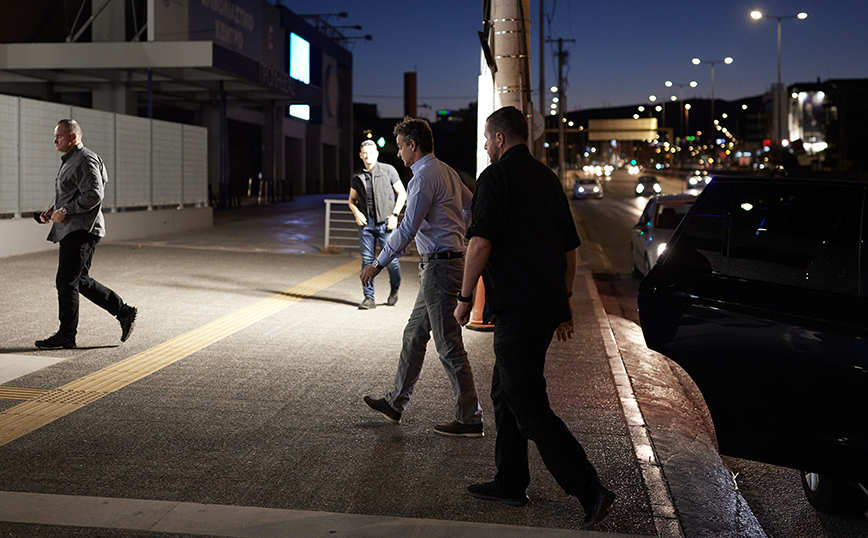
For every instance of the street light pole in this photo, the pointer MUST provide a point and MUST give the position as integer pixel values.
(777, 127)
(697, 61)
(681, 86)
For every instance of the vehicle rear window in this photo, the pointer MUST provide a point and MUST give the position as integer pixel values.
(699, 248)
(804, 236)
(669, 216)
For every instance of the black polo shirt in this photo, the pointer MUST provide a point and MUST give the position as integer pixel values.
(520, 206)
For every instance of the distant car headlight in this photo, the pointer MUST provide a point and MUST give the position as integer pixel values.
(660, 248)
(692, 181)
(581, 189)
(657, 188)
(596, 189)
(639, 188)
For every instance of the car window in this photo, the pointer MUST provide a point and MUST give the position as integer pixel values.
(669, 216)
(699, 248)
(804, 236)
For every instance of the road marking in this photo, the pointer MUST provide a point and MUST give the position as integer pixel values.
(15, 366)
(662, 506)
(54, 404)
(154, 516)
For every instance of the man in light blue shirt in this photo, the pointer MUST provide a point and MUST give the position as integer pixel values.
(437, 215)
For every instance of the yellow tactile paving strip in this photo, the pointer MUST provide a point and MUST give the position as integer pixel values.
(18, 393)
(44, 407)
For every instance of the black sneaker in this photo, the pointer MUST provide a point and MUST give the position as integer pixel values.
(600, 509)
(457, 429)
(127, 317)
(393, 297)
(367, 304)
(490, 491)
(57, 341)
(382, 406)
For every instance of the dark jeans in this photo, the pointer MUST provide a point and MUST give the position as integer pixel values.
(76, 255)
(522, 412)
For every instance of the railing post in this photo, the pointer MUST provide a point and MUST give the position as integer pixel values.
(328, 222)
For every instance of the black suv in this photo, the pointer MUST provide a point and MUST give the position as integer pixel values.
(762, 297)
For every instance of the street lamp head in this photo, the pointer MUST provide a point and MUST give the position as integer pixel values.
(668, 83)
(727, 60)
(756, 15)
(554, 89)
(696, 61)
(802, 15)
(673, 98)
(693, 84)
(652, 98)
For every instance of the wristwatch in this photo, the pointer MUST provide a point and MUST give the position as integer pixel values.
(376, 265)
(63, 210)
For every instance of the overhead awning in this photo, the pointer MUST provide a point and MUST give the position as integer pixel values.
(182, 72)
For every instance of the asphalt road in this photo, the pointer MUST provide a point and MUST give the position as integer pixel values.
(773, 493)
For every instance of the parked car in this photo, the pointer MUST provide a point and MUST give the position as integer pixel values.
(588, 187)
(647, 186)
(698, 179)
(762, 297)
(655, 228)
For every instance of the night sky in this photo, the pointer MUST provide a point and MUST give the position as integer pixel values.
(624, 50)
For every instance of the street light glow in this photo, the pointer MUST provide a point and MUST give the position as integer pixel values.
(727, 60)
(554, 89)
(757, 15)
(802, 15)
(696, 61)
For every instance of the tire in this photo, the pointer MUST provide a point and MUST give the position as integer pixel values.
(833, 495)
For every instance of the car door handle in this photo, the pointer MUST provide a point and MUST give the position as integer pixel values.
(684, 295)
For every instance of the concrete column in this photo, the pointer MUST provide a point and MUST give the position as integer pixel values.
(511, 49)
(109, 26)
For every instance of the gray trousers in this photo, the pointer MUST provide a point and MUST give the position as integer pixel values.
(439, 286)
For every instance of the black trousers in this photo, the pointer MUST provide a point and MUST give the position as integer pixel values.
(73, 278)
(522, 412)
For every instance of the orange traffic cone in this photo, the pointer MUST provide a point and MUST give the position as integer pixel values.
(476, 322)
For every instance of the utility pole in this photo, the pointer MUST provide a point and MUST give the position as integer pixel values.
(562, 104)
(540, 153)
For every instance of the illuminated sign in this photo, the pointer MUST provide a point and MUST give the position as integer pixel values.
(301, 112)
(299, 58)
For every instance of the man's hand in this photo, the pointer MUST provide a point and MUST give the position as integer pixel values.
(368, 274)
(392, 222)
(361, 220)
(565, 331)
(462, 313)
(45, 216)
(57, 216)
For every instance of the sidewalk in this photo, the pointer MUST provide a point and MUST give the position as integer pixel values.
(235, 409)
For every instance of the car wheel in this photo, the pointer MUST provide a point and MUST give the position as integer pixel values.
(833, 495)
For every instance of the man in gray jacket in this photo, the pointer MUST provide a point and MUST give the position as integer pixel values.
(78, 225)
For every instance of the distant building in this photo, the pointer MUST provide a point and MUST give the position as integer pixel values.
(826, 123)
(274, 88)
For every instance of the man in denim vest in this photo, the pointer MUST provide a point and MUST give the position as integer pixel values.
(376, 198)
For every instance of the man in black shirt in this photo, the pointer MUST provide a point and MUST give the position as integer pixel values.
(523, 242)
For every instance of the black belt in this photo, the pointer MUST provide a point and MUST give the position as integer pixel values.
(447, 255)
